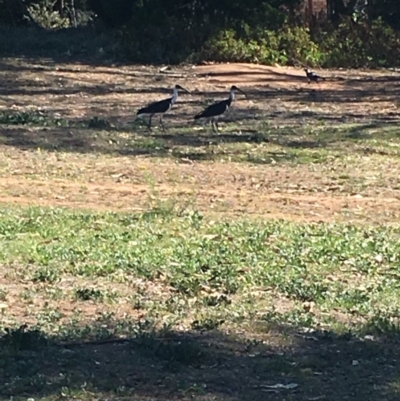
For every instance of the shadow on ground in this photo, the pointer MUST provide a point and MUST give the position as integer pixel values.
(77, 108)
(209, 366)
(197, 142)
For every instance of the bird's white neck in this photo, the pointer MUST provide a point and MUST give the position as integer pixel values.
(174, 96)
(232, 94)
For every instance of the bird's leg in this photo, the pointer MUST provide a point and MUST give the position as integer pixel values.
(151, 116)
(161, 122)
(216, 125)
(213, 125)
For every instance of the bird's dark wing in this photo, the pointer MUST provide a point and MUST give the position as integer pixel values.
(314, 76)
(156, 107)
(215, 109)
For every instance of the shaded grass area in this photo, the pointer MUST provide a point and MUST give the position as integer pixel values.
(213, 366)
(258, 142)
(165, 304)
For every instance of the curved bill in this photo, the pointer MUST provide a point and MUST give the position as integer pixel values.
(181, 88)
(239, 90)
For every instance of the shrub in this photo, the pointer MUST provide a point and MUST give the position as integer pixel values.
(360, 44)
(175, 31)
(46, 16)
(154, 37)
(227, 46)
(266, 47)
(350, 44)
(297, 44)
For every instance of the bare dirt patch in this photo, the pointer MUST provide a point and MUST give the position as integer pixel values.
(230, 199)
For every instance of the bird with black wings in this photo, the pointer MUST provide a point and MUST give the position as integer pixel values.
(313, 77)
(161, 106)
(216, 110)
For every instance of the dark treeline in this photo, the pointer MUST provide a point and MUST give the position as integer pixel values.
(345, 32)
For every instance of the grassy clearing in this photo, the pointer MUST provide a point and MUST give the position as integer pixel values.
(189, 265)
(304, 173)
(248, 142)
(79, 276)
(347, 159)
(210, 262)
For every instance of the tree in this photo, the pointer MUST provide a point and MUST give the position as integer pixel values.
(339, 8)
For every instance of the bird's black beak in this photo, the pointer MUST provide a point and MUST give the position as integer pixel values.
(183, 89)
(241, 91)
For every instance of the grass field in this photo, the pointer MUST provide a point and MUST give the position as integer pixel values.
(258, 263)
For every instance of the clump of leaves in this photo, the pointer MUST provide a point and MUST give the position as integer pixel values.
(45, 274)
(32, 118)
(99, 123)
(87, 294)
(264, 46)
(207, 324)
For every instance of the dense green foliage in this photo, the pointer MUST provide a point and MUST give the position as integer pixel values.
(350, 44)
(349, 33)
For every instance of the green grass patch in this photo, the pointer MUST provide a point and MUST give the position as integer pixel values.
(342, 267)
(297, 293)
(32, 118)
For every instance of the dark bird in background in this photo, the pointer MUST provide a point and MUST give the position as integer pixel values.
(216, 110)
(313, 77)
(161, 107)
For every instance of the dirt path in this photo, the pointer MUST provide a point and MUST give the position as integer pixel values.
(235, 196)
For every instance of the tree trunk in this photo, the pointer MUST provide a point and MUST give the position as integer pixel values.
(61, 7)
(72, 13)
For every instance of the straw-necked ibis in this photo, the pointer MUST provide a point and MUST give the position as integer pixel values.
(161, 106)
(216, 110)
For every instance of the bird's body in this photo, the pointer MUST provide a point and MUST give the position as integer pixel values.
(313, 77)
(161, 106)
(215, 110)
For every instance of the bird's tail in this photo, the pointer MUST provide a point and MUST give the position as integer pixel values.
(197, 116)
(143, 110)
